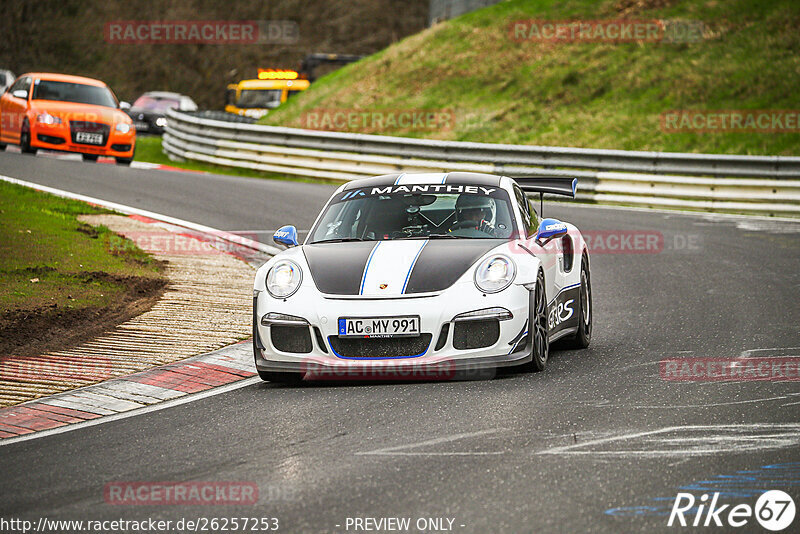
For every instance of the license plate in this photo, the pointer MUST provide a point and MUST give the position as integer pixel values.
(89, 138)
(403, 326)
(141, 126)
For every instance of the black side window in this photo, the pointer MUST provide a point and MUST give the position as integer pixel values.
(18, 85)
(534, 217)
(24, 85)
(528, 219)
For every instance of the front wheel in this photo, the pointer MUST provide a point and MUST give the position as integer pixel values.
(89, 157)
(583, 336)
(124, 161)
(25, 139)
(537, 328)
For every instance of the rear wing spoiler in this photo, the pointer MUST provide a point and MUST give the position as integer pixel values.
(554, 185)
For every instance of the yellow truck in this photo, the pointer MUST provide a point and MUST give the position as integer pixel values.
(254, 98)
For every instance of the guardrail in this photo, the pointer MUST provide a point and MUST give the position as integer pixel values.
(747, 184)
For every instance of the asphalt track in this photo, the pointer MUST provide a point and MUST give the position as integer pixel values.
(599, 442)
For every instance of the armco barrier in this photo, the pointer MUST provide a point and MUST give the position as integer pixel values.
(747, 184)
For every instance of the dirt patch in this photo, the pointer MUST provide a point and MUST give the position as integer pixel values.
(47, 328)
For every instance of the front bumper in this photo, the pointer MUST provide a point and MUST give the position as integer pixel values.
(59, 137)
(439, 359)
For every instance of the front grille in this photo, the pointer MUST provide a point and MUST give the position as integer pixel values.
(476, 334)
(291, 338)
(90, 127)
(391, 347)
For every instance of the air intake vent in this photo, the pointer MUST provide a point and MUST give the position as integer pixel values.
(291, 338)
(476, 334)
(397, 347)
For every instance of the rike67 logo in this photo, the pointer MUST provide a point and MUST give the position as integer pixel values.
(774, 510)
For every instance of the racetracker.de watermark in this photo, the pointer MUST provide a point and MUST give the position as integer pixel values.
(391, 370)
(731, 121)
(355, 120)
(171, 243)
(607, 31)
(180, 493)
(221, 32)
(730, 369)
(615, 242)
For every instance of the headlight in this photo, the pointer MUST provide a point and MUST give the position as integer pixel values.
(123, 127)
(161, 121)
(495, 274)
(283, 279)
(46, 118)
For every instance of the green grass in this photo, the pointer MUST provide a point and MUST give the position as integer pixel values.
(597, 95)
(49, 259)
(148, 149)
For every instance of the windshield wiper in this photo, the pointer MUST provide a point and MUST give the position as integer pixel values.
(437, 236)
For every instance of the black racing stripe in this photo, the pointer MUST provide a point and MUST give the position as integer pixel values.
(375, 181)
(442, 262)
(472, 178)
(337, 267)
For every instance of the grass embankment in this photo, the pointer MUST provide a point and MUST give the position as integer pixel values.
(148, 149)
(62, 280)
(580, 94)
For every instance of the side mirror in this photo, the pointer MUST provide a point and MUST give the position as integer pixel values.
(20, 93)
(125, 106)
(286, 235)
(550, 229)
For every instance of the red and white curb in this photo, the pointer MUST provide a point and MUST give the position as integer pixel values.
(187, 380)
(158, 388)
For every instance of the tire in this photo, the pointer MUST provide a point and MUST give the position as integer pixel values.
(2, 146)
(537, 329)
(583, 336)
(124, 161)
(89, 157)
(25, 139)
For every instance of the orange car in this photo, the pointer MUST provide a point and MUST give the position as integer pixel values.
(66, 113)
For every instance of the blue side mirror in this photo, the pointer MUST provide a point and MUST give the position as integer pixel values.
(286, 235)
(550, 229)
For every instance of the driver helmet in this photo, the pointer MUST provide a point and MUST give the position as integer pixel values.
(475, 208)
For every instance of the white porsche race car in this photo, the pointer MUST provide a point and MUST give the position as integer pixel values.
(430, 275)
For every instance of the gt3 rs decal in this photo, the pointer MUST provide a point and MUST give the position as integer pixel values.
(564, 310)
(402, 266)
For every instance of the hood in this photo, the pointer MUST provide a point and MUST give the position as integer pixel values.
(80, 112)
(393, 267)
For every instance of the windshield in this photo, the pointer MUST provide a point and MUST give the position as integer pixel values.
(154, 103)
(437, 211)
(73, 92)
(259, 98)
